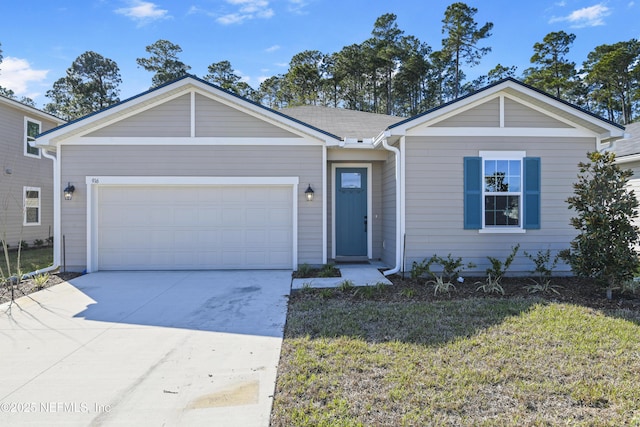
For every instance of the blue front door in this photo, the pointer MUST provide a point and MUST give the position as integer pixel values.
(351, 212)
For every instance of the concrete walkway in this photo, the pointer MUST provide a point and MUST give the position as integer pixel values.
(144, 349)
(358, 274)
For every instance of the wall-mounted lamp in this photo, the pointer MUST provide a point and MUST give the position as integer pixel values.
(309, 193)
(68, 192)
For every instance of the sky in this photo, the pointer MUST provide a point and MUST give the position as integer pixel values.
(41, 38)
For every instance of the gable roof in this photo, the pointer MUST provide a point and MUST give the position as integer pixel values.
(339, 121)
(579, 116)
(171, 89)
(29, 109)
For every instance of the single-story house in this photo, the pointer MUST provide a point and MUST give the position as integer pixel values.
(189, 176)
(26, 175)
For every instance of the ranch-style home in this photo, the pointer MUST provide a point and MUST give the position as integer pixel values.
(189, 176)
(26, 175)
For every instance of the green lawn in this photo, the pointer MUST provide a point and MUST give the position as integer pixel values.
(467, 362)
(30, 260)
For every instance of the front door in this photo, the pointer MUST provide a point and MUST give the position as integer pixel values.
(351, 212)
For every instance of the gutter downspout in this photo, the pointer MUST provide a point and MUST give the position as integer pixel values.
(396, 151)
(56, 216)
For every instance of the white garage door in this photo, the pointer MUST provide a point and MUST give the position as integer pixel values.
(194, 227)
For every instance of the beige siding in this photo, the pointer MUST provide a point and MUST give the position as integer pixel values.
(25, 172)
(215, 119)
(78, 162)
(434, 199)
(484, 115)
(518, 115)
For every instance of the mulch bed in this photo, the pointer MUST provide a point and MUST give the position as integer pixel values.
(571, 290)
(26, 287)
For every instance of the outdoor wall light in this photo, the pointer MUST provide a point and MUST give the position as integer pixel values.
(68, 192)
(309, 193)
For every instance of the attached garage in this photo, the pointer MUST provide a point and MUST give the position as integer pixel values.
(192, 223)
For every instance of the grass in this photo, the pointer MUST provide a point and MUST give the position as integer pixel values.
(30, 260)
(473, 361)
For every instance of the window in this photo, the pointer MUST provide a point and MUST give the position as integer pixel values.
(31, 206)
(31, 130)
(502, 191)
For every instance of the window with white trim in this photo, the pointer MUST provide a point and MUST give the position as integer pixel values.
(502, 192)
(31, 130)
(31, 206)
(502, 189)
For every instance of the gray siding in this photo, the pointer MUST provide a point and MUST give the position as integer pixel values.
(518, 115)
(434, 199)
(634, 184)
(170, 119)
(25, 172)
(215, 119)
(389, 211)
(484, 115)
(173, 119)
(78, 162)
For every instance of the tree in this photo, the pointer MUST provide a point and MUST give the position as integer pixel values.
(163, 62)
(460, 44)
(271, 92)
(91, 84)
(222, 74)
(304, 78)
(604, 249)
(555, 74)
(613, 74)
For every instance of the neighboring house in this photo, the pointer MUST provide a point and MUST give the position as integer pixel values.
(188, 176)
(26, 176)
(627, 152)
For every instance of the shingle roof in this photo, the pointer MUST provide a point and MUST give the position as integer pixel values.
(342, 122)
(631, 145)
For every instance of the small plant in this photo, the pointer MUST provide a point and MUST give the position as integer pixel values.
(491, 285)
(328, 270)
(498, 268)
(441, 286)
(408, 292)
(543, 272)
(39, 280)
(23, 244)
(422, 268)
(346, 285)
(326, 293)
(631, 286)
(49, 241)
(304, 270)
(306, 287)
(38, 243)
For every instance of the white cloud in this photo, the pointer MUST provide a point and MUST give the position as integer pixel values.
(592, 16)
(297, 6)
(272, 48)
(143, 12)
(16, 74)
(247, 10)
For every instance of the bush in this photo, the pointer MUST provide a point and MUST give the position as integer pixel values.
(605, 207)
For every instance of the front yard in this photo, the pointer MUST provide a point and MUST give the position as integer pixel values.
(399, 356)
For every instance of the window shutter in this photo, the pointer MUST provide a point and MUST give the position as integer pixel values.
(531, 202)
(472, 193)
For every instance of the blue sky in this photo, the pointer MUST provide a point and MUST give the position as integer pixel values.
(41, 38)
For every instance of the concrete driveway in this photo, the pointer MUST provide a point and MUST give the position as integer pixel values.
(144, 349)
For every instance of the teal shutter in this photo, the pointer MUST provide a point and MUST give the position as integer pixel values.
(472, 193)
(531, 194)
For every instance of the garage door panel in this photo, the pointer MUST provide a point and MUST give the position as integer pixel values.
(197, 227)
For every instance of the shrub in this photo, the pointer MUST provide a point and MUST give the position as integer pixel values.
(605, 207)
(543, 271)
